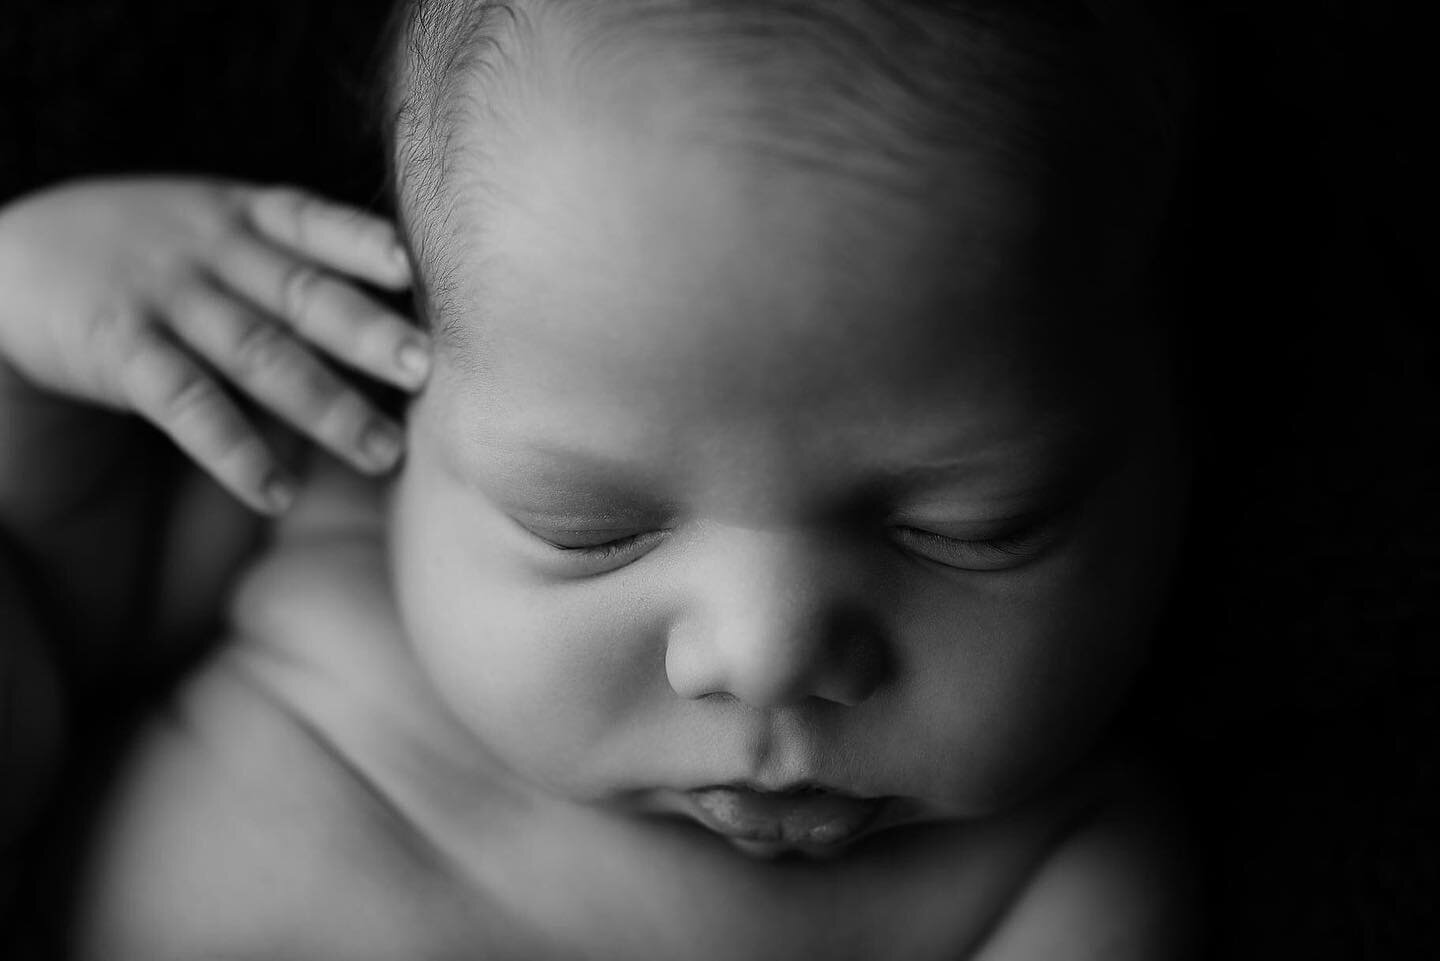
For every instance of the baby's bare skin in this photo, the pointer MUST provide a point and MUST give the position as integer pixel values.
(167, 296)
(310, 798)
(313, 796)
(176, 299)
(738, 489)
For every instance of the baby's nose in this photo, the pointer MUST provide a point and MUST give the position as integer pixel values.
(778, 619)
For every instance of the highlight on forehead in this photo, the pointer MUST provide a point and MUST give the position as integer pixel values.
(880, 91)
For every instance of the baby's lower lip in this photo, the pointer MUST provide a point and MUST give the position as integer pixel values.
(810, 818)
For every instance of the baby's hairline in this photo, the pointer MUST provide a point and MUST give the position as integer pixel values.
(437, 159)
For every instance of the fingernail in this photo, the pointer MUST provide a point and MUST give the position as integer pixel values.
(414, 360)
(279, 494)
(381, 445)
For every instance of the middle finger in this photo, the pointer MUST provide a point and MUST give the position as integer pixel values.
(327, 311)
(267, 363)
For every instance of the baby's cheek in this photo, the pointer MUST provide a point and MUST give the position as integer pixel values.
(553, 684)
(1046, 655)
(546, 672)
(1011, 681)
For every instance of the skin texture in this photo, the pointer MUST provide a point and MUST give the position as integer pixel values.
(309, 797)
(728, 473)
(760, 385)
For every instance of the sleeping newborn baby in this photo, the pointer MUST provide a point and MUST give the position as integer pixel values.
(784, 522)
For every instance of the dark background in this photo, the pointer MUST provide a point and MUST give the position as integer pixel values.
(264, 90)
(1306, 673)
(1296, 697)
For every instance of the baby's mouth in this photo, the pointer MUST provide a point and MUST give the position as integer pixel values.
(808, 819)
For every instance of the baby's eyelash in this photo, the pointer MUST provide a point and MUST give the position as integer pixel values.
(1020, 544)
(979, 554)
(588, 553)
(602, 551)
(599, 551)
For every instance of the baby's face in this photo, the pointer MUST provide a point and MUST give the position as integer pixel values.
(748, 481)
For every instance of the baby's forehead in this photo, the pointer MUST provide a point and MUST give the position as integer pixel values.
(630, 187)
(665, 239)
(883, 97)
(710, 291)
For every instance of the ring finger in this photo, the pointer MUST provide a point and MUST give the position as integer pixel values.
(263, 360)
(327, 311)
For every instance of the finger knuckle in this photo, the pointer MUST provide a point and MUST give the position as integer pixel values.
(281, 197)
(259, 346)
(342, 418)
(220, 245)
(379, 234)
(319, 386)
(233, 197)
(185, 393)
(281, 209)
(383, 337)
(195, 410)
(142, 372)
(220, 218)
(228, 439)
(297, 291)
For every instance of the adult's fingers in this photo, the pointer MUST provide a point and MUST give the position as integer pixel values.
(327, 311)
(342, 238)
(176, 393)
(263, 360)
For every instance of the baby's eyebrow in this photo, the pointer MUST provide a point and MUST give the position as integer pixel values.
(583, 460)
(1021, 479)
(539, 471)
(1057, 461)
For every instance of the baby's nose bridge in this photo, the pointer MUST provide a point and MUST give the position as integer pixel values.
(778, 617)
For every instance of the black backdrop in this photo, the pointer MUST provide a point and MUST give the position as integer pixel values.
(1296, 695)
(261, 89)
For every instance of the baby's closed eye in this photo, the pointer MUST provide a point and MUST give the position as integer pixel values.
(602, 546)
(1001, 550)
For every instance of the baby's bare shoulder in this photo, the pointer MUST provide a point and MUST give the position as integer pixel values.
(251, 822)
(239, 831)
(1118, 887)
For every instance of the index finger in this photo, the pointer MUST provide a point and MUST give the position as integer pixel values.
(342, 238)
